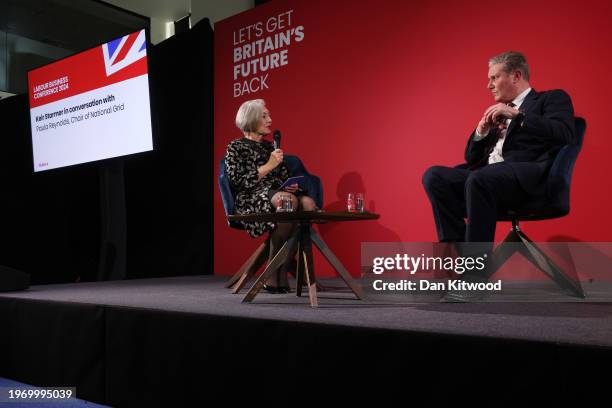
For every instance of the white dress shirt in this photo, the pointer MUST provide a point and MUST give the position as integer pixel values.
(496, 154)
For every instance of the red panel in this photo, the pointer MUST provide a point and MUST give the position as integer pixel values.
(378, 91)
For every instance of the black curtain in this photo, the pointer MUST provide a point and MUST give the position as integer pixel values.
(49, 221)
(169, 192)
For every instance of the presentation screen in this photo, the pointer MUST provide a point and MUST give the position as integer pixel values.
(91, 106)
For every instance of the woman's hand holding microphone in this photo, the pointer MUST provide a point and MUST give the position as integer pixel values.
(276, 158)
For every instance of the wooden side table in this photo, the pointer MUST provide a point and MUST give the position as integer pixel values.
(301, 241)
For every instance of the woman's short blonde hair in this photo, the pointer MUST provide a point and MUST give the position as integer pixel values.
(249, 114)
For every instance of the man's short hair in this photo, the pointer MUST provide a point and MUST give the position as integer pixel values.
(513, 61)
(249, 114)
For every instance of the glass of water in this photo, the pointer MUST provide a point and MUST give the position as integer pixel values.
(281, 203)
(350, 202)
(359, 202)
(286, 205)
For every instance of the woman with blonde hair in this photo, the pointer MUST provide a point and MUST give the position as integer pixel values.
(256, 172)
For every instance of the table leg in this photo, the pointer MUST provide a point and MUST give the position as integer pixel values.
(309, 274)
(299, 272)
(279, 259)
(336, 264)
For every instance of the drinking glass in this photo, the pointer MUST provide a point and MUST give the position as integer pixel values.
(359, 202)
(350, 202)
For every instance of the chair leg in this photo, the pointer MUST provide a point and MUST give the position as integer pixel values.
(504, 251)
(251, 265)
(516, 240)
(260, 261)
(237, 287)
(279, 259)
(571, 286)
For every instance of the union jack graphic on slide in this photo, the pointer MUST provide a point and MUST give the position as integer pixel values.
(124, 51)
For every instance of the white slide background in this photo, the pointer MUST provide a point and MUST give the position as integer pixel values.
(119, 133)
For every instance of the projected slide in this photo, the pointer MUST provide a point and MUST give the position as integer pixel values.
(91, 106)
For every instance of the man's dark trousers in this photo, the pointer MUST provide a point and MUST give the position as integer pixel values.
(479, 194)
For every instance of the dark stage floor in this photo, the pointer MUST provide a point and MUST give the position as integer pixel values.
(183, 341)
(588, 324)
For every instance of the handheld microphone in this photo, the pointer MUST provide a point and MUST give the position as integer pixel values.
(277, 139)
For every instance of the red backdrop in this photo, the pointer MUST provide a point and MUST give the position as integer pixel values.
(377, 91)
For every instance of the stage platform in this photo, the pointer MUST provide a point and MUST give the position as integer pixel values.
(161, 342)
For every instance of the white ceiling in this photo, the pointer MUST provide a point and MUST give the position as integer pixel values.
(167, 10)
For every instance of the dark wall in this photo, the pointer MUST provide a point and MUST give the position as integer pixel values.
(50, 221)
(41, 31)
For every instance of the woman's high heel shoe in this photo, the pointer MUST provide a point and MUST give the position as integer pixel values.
(275, 290)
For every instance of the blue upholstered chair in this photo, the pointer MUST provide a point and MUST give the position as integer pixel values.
(313, 187)
(555, 204)
(296, 168)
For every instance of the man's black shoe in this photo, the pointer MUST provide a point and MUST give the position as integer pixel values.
(466, 295)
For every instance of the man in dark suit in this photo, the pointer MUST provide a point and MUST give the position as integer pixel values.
(508, 157)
